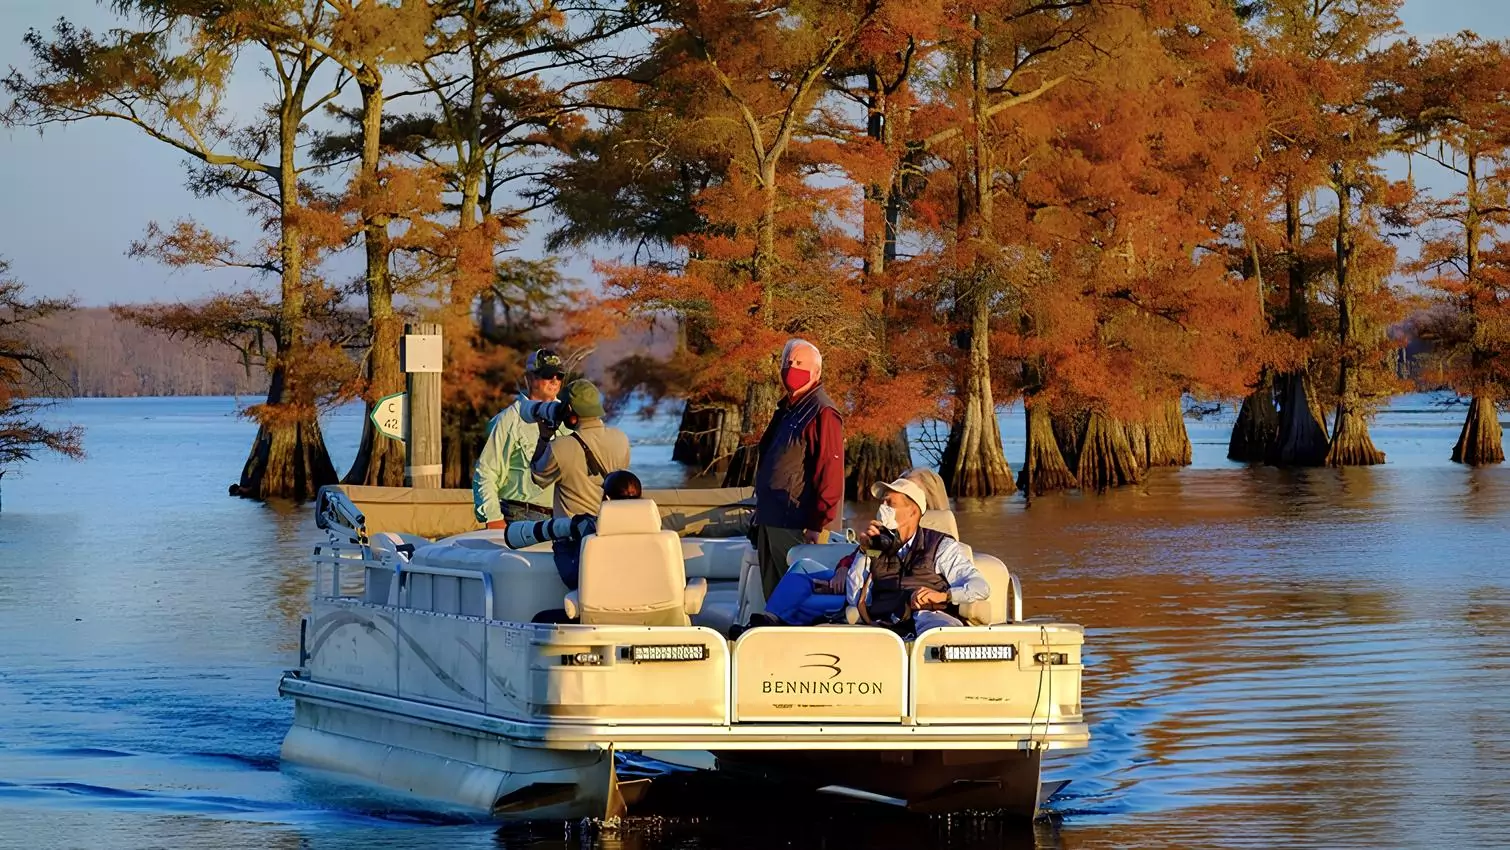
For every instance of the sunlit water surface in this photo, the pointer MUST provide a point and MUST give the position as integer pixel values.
(1314, 658)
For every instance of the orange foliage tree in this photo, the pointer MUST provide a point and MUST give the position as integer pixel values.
(167, 78)
(1451, 101)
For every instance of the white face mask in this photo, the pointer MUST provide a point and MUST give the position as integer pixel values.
(886, 517)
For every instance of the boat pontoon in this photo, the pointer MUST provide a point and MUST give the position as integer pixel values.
(420, 669)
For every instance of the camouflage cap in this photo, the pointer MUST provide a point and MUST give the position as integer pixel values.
(544, 363)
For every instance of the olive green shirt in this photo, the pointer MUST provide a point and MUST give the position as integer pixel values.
(564, 465)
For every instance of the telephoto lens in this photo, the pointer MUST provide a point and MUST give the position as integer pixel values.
(521, 535)
(552, 412)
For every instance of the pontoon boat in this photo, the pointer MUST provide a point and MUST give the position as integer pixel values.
(420, 669)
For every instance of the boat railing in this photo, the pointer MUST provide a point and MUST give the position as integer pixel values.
(410, 576)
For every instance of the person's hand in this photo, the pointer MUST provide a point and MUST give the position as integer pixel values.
(871, 530)
(924, 597)
(498, 523)
(836, 584)
(812, 536)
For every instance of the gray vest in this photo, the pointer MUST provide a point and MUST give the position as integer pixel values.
(783, 496)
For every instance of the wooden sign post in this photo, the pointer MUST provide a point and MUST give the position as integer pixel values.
(421, 355)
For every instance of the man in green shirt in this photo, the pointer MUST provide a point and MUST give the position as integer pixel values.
(503, 490)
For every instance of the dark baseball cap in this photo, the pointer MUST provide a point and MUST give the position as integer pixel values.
(544, 363)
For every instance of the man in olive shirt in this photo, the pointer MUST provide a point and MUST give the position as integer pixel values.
(577, 464)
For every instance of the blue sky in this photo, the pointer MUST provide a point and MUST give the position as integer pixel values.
(72, 201)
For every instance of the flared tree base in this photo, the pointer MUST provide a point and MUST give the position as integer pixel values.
(1481, 441)
(1106, 458)
(1256, 432)
(288, 460)
(1044, 465)
(708, 436)
(1168, 441)
(871, 459)
(1351, 445)
(1302, 438)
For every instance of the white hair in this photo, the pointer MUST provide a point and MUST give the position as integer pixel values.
(786, 352)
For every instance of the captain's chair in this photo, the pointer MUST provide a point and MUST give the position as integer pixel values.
(632, 572)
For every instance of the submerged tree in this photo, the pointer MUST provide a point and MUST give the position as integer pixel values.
(168, 79)
(1452, 101)
(29, 379)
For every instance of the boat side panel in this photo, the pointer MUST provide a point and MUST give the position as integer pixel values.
(442, 659)
(353, 644)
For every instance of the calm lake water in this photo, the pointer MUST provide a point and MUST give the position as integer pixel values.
(1314, 658)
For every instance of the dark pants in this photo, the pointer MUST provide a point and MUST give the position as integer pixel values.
(771, 546)
(568, 561)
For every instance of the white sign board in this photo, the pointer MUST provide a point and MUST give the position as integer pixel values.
(388, 415)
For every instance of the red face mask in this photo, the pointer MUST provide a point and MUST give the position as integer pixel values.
(795, 379)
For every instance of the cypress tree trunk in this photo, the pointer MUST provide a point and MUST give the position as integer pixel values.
(974, 463)
(1068, 428)
(869, 459)
(1255, 434)
(1137, 441)
(1302, 439)
(1351, 445)
(1044, 469)
(288, 458)
(380, 460)
(1168, 441)
(1106, 458)
(708, 435)
(1480, 442)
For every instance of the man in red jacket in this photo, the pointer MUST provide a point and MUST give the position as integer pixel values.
(799, 484)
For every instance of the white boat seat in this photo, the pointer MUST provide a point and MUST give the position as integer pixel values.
(941, 520)
(632, 572)
(715, 559)
(720, 608)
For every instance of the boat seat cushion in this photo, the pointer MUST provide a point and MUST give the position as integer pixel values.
(994, 608)
(941, 520)
(632, 572)
(720, 609)
(715, 559)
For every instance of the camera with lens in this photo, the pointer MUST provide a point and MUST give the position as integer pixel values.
(520, 535)
(885, 541)
(554, 413)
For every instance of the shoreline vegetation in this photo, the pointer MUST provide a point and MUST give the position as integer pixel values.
(960, 205)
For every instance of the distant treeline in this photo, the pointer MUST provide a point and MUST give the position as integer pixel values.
(106, 356)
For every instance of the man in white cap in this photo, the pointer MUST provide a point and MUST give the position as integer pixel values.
(904, 576)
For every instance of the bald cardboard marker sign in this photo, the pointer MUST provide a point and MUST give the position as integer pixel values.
(388, 415)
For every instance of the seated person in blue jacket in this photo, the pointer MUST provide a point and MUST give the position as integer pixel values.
(903, 575)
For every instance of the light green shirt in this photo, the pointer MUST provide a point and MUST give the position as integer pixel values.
(503, 467)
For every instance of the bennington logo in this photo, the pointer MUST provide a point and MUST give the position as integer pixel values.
(824, 661)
